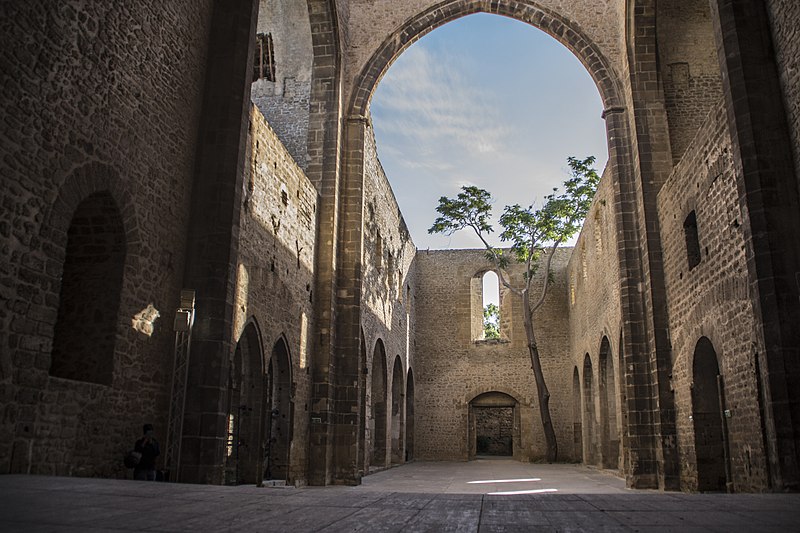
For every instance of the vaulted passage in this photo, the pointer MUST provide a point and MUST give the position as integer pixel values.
(91, 284)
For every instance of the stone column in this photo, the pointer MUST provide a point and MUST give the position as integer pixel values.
(768, 192)
(212, 248)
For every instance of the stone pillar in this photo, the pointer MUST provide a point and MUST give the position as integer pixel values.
(214, 234)
(768, 192)
(347, 395)
(324, 140)
(639, 434)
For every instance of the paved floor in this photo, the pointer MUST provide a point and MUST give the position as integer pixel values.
(417, 497)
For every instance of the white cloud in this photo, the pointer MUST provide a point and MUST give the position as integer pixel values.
(428, 102)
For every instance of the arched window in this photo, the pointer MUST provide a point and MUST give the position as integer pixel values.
(86, 327)
(486, 314)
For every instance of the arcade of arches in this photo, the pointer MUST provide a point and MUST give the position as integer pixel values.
(226, 147)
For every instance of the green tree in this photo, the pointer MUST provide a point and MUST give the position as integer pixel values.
(491, 322)
(534, 235)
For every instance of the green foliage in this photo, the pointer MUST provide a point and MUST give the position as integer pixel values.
(529, 230)
(491, 322)
(470, 209)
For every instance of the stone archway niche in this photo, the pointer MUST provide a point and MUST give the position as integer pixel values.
(493, 425)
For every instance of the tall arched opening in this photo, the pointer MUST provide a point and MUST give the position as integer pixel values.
(280, 415)
(378, 406)
(410, 416)
(244, 451)
(364, 453)
(577, 407)
(398, 405)
(91, 286)
(608, 407)
(493, 425)
(708, 417)
(589, 437)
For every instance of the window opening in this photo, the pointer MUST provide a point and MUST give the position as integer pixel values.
(692, 240)
(491, 306)
(264, 65)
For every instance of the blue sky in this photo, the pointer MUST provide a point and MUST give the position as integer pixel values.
(487, 101)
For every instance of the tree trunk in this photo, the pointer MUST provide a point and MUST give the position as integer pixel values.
(541, 386)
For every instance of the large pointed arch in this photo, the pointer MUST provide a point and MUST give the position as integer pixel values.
(280, 413)
(560, 28)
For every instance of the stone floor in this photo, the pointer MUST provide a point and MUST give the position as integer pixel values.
(484, 495)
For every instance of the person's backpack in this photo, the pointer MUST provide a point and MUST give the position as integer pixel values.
(132, 459)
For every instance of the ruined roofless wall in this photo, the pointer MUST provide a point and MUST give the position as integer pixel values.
(712, 298)
(389, 285)
(452, 368)
(276, 266)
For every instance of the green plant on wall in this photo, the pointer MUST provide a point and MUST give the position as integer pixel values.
(534, 235)
(491, 322)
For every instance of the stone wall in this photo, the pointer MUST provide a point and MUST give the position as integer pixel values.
(595, 314)
(285, 100)
(689, 68)
(104, 98)
(389, 286)
(783, 16)
(712, 299)
(452, 368)
(276, 267)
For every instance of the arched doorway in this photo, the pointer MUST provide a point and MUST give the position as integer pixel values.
(91, 285)
(577, 426)
(280, 414)
(493, 424)
(378, 403)
(410, 416)
(589, 448)
(244, 451)
(708, 418)
(608, 407)
(398, 404)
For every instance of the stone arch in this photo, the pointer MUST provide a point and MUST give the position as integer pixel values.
(608, 406)
(410, 416)
(577, 407)
(707, 415)
(85, 332)
(280, 412)
(378, 406)
(589, 437)
(244, 456)
(493, 424)
(558, 27)
(91, 188)
(396, 415)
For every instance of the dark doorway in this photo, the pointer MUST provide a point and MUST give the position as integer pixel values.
(608, 406)
(590, 451)
(378, 401)
(280, 413)
(577, 426)
(707, 414)
(493, 424)
(410, 416)
(398, 404)
(245, 407)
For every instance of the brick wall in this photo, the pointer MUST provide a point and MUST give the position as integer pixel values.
(389, 286)
(285, 100)
(103, 97)
(452, 368)
(595, 314)
(712, 300)
(276, 266)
